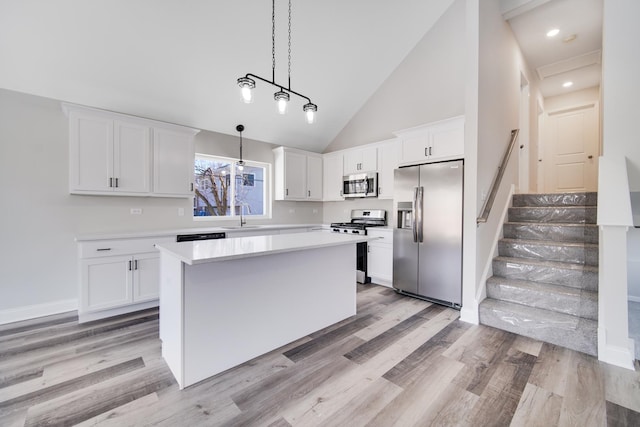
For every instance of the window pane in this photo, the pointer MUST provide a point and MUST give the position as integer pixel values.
(212, 187)
(250, 191)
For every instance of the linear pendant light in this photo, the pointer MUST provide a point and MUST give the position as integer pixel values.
(282, 96)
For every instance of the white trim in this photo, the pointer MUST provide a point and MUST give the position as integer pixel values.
(103, 314)
(38, 310)
(615, 355)
(470, 315)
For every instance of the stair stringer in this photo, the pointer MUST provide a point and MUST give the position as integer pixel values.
(487, 271)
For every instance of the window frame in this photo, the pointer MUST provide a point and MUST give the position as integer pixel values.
(267, 204)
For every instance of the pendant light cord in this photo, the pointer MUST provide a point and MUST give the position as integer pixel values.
(273, 40)
(289, 71)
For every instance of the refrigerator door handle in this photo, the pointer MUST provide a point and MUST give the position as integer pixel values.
(414, 222)
(418, 213)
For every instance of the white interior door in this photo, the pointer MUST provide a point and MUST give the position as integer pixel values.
(572, 150)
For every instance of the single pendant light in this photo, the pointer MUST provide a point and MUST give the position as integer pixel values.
(240, 163)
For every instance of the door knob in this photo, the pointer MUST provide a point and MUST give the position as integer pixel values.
(590, 157)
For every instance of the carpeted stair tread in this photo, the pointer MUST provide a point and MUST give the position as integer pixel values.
(570, 252)
(550, 231)
(563, 299)
(576, 333)
(554, 214)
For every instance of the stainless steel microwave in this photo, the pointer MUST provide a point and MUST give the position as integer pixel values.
(360, 185)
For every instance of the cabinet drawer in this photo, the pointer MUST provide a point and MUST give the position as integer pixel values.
(386, 236)
(101, 248)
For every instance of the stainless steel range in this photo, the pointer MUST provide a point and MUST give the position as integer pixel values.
(360, 220)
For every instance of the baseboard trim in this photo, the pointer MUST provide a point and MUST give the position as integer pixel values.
(615, 355)
(38, 310)
(470, 315)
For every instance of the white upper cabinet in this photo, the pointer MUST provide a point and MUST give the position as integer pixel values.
(314, 178)
(131, 151)
(173, 163)
(387, 163)
(115, 154)
(360, 160)
(332, 176)
(298, 174)
(443, 140)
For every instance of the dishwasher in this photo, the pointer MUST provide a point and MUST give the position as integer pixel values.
(200, 236)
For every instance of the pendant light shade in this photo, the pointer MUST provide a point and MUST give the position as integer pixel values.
(283, 100)
(310, 111)
(246, 85)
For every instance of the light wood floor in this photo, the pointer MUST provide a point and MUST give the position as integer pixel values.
(399, 362)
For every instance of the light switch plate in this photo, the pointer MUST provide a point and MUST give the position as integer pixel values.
(136, 211)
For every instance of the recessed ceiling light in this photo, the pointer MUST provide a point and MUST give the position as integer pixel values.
(553, 33)
(567, 84)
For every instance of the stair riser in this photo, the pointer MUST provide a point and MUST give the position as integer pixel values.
(571, 254)
(565, 335)
(556, 233)
(570, 199)
(555, 215)
(558, 276)
(576, 305)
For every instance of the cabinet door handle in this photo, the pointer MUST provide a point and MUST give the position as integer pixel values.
(129, 265)
(286, 192)
(110, 182)
(429, 150)
(309, 192)
(135, 264)
(192, 186)
(103, 249)
(116, 182)
(426, 152)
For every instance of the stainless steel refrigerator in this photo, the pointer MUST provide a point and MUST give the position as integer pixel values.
(427, 233)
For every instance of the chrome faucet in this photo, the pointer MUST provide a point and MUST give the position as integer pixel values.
(242, 220)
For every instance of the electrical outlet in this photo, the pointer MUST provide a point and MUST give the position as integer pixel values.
(180, 211)
(136, 211)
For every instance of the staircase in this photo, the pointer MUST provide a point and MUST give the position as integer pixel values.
(545, 282)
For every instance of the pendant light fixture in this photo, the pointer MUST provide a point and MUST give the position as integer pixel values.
(240, 163)
(283, 95)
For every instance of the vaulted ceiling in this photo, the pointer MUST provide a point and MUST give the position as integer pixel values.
(178, 61)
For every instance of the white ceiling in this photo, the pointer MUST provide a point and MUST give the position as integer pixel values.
(555, 60)
(178, 61)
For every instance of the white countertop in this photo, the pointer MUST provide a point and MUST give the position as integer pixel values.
(173, 232)
(203, 251)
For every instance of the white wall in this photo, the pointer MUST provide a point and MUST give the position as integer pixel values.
(427, 86)
(500, 66)
(572, 99)
(39, 219)
(633, 258)
(341, 211)
(620, 87)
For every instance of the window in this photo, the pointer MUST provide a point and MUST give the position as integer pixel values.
(222, 190)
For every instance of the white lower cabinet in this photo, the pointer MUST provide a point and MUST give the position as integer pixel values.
(380, 256)
(118, 276)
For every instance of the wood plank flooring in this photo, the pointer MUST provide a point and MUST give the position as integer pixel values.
(398, 362)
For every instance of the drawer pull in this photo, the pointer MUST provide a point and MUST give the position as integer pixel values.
(103, 249)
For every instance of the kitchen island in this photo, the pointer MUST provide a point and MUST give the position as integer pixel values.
(224, 302)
